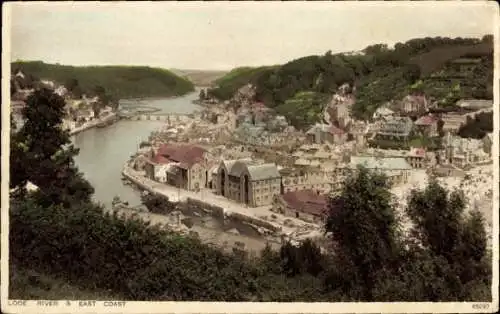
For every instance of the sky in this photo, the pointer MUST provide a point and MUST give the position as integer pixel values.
(223, 35)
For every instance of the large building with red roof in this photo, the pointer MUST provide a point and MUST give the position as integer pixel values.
(184, 166)
(307, 205)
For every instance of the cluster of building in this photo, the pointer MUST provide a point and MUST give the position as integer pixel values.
(78, 112)
(227, 149)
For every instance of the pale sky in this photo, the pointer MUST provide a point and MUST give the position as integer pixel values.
(224, 35)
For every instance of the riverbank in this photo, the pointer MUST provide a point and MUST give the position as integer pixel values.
(277, 225)
(101, 122)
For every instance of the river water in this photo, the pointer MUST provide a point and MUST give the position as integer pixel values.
(104, 151)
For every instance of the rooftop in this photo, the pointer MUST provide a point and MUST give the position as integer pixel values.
(185, 154)
(426, 120)
(263, 172)
(306, 201)
(325, 128)
(475, 103)
(382, 163)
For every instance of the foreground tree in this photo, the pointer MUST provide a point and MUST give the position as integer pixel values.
(42, 153)
(365, 229)
(456, 242)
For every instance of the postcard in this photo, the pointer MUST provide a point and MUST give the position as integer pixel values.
(250, 157)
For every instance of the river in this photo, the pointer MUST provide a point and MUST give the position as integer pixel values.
(104, 151)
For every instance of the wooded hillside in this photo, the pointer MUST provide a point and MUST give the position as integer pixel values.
(380, 74)
(118, 81)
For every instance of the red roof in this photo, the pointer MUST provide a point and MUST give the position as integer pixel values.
(159, 159)
(259, 106)
(426, 120)
(306, 201)
(185, 154)
(420, 152)
(335, 130)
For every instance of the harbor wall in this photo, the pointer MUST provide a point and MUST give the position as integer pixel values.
(226, 220)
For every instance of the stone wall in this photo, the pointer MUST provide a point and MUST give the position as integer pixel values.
(256, 222)
(215, 211)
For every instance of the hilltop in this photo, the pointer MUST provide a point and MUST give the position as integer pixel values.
(443, 69)
(227, 85)
(200, 78)
(118, 81)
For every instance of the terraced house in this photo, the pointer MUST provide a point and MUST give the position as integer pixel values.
(246, 182)
(397, 128)
(396, 169)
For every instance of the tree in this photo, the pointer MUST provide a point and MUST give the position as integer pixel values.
(99, 90)
(365, 228)
(456, 243)
(157, 203)
(71, 84)
(440, 125)
(412, 72)
(437, 229)
(43, 153)
(18, 150)
(487, 38)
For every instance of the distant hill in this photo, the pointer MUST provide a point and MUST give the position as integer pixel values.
(202, 78)
(118, 81)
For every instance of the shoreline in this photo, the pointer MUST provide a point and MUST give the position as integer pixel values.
(251, 215)
(108, 120)
(185, 196)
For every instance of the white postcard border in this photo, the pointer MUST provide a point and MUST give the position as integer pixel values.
(236, 307)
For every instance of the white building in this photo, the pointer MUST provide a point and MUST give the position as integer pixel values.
(383, 113)
(397, 169)
(61, 91)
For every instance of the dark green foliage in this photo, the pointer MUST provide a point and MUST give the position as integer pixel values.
(444, 258)
(136, 261)
(364, 226)
(236, 78)
(306, 258)
(304, 109)
(74, 88)
(158, 204)
(438, 229)
(478, 127)
(456, 243)
(41, 152)
(118, 81)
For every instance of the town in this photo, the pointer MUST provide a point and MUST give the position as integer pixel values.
(81, 111)
(241, 157)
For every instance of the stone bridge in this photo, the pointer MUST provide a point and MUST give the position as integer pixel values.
(170, 117)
